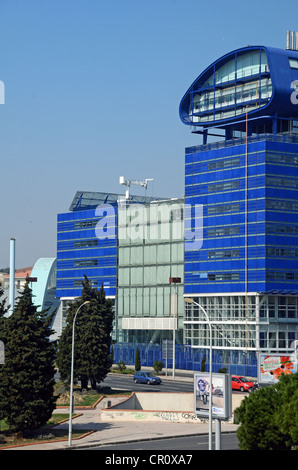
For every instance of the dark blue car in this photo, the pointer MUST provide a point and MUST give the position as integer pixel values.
(146, 378)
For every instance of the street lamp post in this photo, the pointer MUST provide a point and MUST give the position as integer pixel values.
(175, 281)
(191, 301)
(71, 374)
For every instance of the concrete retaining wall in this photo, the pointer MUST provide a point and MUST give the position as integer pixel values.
(147, 406)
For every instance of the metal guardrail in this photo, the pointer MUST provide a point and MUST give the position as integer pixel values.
(286, 138)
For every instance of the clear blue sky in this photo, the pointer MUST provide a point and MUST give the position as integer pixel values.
(92, 91)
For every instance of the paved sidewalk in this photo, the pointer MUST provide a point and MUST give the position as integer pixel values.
(119, 432)
(106, 433)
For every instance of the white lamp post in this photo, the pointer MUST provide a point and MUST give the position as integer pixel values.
(71, 374)
(191, 301)
(175, 281)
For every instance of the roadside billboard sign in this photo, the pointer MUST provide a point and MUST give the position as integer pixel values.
(272, 366)
(221, 395)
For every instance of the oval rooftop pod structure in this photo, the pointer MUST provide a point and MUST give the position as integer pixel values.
(255, 84)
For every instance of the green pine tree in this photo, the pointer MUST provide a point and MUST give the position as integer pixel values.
(92, 338)
(27, 375)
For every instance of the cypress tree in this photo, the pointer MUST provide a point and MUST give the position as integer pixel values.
(137, 360)
(92, 338)
(27, 375)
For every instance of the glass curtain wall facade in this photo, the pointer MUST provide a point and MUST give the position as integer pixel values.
(245, 275)
(233, 196)
(81, 251)
(148, 257)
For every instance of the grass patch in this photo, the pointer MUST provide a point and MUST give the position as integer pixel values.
(57, 418)
(122, 371)
(45, 434)
(85, 398)
(88, 398)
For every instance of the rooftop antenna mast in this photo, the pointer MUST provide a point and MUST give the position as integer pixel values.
(128, 183)
(292, 41)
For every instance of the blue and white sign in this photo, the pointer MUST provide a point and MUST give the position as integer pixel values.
(221, 395)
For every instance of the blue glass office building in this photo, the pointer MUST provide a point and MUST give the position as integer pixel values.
(243, 180)
(245, 274)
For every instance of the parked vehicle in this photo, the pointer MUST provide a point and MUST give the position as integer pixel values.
(242, 384)
(146, 378)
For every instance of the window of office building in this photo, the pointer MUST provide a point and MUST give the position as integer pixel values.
(238, 85)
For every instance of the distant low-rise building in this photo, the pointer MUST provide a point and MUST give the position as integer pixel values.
(42, 280)
(20, 279)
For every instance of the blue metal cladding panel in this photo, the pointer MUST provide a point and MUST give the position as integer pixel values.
(282, 216)
(80, 252)
(272, 220)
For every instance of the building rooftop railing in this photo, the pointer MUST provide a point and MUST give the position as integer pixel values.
(91, 199)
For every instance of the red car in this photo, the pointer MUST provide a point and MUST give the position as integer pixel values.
(242, 383)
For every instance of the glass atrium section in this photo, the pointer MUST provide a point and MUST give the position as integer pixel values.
(150, 251)
(267, 322)
(234, 88)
